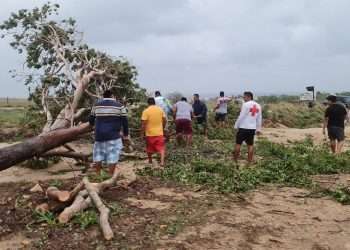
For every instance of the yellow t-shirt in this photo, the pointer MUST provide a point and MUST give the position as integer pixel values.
(153, 116)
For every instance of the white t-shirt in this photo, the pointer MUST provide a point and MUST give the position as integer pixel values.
(222, 102)
(183, 110)
(163, 103)
(250, 116)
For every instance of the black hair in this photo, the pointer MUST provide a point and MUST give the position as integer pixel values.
(196, 95)
(249, 94)
(151, 101)
(157, 93)
(332, 98)
(184, 99)
(222, 93)
(107, 94)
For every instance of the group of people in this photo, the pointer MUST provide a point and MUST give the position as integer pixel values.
(110, 119)
(111, 125)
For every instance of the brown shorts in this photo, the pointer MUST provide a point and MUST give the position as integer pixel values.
(183, 126)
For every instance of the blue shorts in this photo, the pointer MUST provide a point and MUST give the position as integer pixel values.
(107, 151)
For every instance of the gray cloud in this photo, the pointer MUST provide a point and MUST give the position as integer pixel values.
(205, 46)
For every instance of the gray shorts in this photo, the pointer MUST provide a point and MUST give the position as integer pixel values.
(336, 133)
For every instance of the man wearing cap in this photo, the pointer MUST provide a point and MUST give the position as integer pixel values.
(334, 121)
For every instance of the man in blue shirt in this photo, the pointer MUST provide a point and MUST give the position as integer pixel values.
(109, 118)
(200, 113)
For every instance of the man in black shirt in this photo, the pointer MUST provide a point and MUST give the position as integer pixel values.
(200, 113)
(334, 121)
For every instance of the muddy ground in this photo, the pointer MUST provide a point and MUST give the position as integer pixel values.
(154, 214)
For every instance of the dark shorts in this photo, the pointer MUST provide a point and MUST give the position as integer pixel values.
(155, 144)
(183, 126)
(201, 121)
(336, 133)
(245, 135)
(220, 117)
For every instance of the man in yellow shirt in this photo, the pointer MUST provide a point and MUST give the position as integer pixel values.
(153, 124)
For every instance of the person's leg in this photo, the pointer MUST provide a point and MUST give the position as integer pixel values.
(113, 150)
(340, 133)
(250, 153)
(98, 167)
(333, 146)
(111, 168)
(237, 152)
(249, 139)
(179, 132)
(340, 146)
(162, 158)
(239, 140)
(188, 132)
(149, 155)
(98, 156)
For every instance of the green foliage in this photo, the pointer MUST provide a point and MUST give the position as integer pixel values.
(86, 219)
(292, 165)
(47, 218)
(32, 121)
(341, 194)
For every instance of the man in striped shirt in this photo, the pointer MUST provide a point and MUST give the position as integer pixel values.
(109, 118)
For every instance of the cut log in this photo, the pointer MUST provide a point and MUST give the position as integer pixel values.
(104, 211)
(55, 194)
(38, 145)
(37, 189)
(79, 204)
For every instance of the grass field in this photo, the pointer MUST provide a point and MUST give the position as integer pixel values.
(13, 102)
(10, 118)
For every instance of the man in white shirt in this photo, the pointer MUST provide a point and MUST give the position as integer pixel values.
(183, 114)
(248, 124)
(163, 103)
(221, 109)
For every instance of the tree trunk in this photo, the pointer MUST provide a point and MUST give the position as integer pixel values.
(38, 145)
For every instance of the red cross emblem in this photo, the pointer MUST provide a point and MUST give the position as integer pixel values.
(254, 110)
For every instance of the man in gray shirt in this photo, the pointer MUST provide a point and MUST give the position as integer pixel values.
(183, 114)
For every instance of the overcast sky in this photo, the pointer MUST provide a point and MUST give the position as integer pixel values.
(270, 46)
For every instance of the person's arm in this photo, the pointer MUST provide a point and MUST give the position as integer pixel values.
(144, 119)
(204, 110)
(242, 114)
(174, 111)
(325, 124)
(217, 105)
(125, 123)
(143, 129)
(259, 121)
(325, 121)
(92, 117)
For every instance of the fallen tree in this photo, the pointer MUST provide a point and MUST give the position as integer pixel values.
(65, 77)
(38, 145)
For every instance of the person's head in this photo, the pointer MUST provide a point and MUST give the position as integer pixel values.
(108, 94)
(183, 99)
(248, 96)
(151, 101)
(196, 97)
(157, 93)
(222, 93)
(331, 99)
